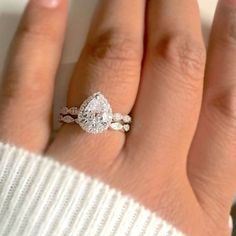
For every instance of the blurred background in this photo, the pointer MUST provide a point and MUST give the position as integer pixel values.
(80, 15)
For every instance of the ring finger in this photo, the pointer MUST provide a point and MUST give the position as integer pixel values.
(110, 63)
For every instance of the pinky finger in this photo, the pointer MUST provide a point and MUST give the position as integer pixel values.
(212, 158)
(26, 97)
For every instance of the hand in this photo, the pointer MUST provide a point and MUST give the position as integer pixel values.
(179, 158)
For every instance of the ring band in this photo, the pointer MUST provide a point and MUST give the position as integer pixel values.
(95, 116)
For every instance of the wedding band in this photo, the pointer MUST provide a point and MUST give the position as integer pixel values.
(95, 116)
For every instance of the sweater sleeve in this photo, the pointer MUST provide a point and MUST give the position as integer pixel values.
(40, 197)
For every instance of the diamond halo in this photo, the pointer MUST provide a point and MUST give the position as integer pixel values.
(95, 114)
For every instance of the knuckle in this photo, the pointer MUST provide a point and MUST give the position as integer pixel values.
(182, 53)
(226, 38)
(29, 91)
(30, 33)
(115, 51)
(10, 89)
(222, 106)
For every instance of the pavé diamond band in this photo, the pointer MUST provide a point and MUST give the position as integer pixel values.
(95, 116)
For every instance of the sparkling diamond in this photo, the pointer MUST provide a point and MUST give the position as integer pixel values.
(95, 114)
(64, 110)
(116, 126)
(73, 111)
(126, 127)
(117, 117)
(67, 119)
(127, 119)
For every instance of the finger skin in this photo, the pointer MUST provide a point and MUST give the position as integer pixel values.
(110, 63)
(212, 159)
(27, 94)
(168, 104)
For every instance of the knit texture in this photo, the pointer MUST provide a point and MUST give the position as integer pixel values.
(40, 197)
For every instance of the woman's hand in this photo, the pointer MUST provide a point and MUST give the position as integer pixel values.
(147, 57)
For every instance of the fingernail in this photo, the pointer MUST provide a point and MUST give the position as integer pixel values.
(48, 3)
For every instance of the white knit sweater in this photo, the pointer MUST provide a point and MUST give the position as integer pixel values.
(40, 197)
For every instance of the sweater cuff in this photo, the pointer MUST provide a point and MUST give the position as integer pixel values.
(39, 197)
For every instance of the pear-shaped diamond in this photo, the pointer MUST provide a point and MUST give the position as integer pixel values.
(95, 114)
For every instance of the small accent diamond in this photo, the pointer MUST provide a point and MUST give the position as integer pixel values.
(126, 118)
(67, 119)
(126, 127)
(64, 110)
(116, 126)
(74, 111)
(117, 117)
